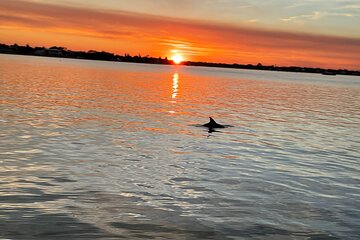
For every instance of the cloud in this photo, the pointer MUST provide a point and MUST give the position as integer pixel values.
(315, 16)
(196, 38)
(351, 6)
(301, 18)
(252, 20)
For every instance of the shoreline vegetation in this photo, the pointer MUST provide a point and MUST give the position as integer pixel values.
(62, 52)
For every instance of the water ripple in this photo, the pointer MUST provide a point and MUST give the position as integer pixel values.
(98, 150)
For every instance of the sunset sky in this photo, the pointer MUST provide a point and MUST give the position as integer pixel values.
(315, 33)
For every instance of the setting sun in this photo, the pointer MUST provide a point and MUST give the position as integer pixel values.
(177, 59)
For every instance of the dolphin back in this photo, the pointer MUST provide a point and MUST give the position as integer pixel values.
(213, 124)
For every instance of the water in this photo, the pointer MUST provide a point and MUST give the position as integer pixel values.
(104, 150)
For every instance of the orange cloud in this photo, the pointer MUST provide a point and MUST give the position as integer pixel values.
(122, 31)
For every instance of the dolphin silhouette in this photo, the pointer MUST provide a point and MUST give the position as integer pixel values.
(212, 124)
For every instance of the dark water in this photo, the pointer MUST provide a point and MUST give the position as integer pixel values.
(101, 150)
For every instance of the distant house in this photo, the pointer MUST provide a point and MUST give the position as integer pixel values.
(14, 47)
(40, 52)
(5, 48)
(55, 52)
(69, 53)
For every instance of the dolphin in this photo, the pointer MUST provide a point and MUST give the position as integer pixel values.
(212, 124)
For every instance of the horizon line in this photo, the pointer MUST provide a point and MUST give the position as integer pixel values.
(147, 56)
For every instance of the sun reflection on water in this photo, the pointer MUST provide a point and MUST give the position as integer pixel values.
(175, 85)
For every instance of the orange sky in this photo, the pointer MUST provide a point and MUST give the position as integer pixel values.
(45, 23)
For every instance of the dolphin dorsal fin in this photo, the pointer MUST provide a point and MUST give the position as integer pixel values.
(212, 120)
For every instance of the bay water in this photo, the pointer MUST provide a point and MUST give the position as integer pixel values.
(108, 150)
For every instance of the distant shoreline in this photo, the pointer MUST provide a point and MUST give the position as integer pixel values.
(61, 52)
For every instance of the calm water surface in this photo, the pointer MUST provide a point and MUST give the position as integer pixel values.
(103, 150)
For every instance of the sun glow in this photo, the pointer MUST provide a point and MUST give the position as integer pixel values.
(177, 59)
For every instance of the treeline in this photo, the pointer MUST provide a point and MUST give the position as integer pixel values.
(259, 66)
(56, 51)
